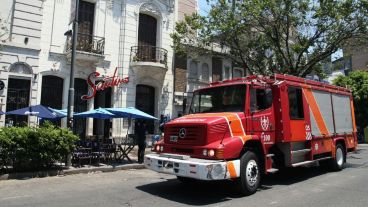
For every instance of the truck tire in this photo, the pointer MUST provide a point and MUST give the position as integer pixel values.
(337, 163)
(250, 174)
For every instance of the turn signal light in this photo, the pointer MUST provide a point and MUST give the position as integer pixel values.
(219, 154)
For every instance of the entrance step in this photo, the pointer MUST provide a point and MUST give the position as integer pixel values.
(272, 170)
(299, 152)
(303, 163)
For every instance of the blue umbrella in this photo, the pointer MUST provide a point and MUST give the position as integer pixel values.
(37, 110)
(130, 112)
(99, 113)
(60, 112)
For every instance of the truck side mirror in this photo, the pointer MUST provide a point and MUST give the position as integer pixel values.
(184, 105)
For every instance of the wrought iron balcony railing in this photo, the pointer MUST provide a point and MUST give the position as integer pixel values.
(87, 43)
(148, 53)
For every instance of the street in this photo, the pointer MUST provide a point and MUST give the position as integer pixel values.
(294, 187)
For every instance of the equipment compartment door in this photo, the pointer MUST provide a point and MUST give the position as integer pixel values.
(300, 130)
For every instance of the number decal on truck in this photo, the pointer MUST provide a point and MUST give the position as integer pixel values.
(265, 137)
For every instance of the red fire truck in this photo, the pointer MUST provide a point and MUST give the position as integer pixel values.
(243, 128)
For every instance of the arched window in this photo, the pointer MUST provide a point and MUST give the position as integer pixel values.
(193, 69)
(205, 72)
(20, 67)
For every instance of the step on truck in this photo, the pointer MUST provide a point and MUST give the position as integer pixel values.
(243, 128)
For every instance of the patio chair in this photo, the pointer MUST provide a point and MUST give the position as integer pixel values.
(80, 154)
(103, 152)
(126, 146)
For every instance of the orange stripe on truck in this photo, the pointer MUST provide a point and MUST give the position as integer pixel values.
(236, 126)
(231, 169)
(315, 111)
(353, 114)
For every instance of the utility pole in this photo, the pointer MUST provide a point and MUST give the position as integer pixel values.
(71, 80)
(70, 109)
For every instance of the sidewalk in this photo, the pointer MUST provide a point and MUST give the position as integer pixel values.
(124, 165)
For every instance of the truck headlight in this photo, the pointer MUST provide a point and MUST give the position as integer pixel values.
(211, 152)
(204, 152)
(157, 148)
(161, 148)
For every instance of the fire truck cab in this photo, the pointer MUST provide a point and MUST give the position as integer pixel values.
(243, 128)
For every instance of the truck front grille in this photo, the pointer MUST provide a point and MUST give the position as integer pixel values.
(195, 135)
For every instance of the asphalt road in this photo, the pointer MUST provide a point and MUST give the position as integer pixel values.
(296, 187)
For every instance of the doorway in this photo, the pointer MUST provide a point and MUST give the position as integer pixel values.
(80, 105)
(102, 127)
(147, 33)
(86, 17)
(52, 93)
(145, 101)
(17, 97)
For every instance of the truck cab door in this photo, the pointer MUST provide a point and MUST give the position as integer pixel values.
(260, 120)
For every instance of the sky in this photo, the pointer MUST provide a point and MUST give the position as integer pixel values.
(204, 8)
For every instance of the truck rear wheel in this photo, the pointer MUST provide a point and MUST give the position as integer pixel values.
(337, 163)
(250, 175)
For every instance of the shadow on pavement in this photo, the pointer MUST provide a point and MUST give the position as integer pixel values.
(196, 194)
(206, 193)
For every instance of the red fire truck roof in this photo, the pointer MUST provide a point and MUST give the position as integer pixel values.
(281, 77)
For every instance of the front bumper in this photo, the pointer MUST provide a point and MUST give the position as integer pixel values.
(185, 166)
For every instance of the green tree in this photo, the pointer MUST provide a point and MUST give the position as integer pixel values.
(268, 36)
(357, 81)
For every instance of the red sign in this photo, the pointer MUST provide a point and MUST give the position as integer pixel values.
(106, 82)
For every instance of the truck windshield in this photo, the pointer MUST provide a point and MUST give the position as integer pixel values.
(219, 99)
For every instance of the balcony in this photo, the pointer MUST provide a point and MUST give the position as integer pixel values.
(89, 48)
(151, 58)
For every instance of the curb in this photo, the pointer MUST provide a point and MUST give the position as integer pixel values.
(103, 169)
(50, 173)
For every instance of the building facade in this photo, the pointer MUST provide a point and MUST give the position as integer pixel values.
(358, 56)
(128, 39)
(20, 57)
(192, 73)
(118, 39)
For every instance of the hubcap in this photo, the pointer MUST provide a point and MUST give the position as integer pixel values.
(339, 156)
(252, 172)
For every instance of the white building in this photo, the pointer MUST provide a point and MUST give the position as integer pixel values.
(132, 36)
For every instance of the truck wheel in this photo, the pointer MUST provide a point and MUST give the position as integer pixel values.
(337, 163)
(250, 175)
(185, 180)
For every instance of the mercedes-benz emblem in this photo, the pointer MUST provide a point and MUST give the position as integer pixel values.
(182, 132)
